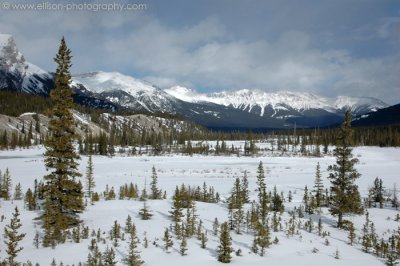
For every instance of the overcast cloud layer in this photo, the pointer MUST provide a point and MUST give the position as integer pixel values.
(342, 47)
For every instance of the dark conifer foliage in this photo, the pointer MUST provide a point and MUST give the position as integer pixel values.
(345, 195)
(5, 185)
(318, 188)
(156, 193)
(90, 183)
(376, 194)
(63, 191)
(12, 238)
(133, 258)
(225, 247)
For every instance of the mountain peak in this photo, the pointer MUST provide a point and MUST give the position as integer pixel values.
(16, 73)
(125, 90)
(10, 57)
(5, 39)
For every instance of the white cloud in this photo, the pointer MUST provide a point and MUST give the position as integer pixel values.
(204, 54)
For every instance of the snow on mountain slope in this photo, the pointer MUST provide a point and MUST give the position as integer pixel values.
(110, 81)
(186, 94)
(249, 99)
(356, 103)
(126, 91)
(17, 73)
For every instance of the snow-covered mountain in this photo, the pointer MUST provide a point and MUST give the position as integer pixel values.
(241, 109)
(276, 104)
(18, 74)
(126, 91)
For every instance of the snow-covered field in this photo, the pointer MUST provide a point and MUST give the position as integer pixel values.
(287, 173)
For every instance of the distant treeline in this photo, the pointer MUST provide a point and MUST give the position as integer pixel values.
(14, 104)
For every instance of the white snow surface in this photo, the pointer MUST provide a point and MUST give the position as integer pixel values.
(287, 173)
(109, 81)
(185, 94)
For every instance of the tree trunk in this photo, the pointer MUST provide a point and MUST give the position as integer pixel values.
(340, 220)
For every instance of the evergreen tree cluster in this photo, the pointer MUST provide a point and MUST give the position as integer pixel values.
(239, 197)
(376, 194)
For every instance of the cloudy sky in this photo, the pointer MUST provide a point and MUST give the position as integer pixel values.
(340, 47)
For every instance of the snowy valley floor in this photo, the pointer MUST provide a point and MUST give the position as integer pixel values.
(287, 173)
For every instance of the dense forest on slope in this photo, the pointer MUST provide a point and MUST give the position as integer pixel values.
(122, 128)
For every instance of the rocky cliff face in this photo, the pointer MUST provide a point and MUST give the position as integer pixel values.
(18, 74)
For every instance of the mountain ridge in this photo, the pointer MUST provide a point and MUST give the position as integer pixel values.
(300, 101)
(244, 108)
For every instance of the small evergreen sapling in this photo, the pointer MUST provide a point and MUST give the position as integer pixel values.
(5, 185)
(352, 234)
(145, 212)
(183, 247)
(18, 192)
(215, 226)
(203, 240)
(224, 249)
(337, 255)
(319, 226)
(167, 240)
(133, 258)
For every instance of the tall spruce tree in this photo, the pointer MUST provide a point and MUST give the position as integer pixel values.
(63, 192)
(245, 188)
(176, 208)
(12, 237)
(235, 207)
(263, 199)
(318, 187)
(90, 183)
(261, 186)
(345, 195)
(156, 193)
